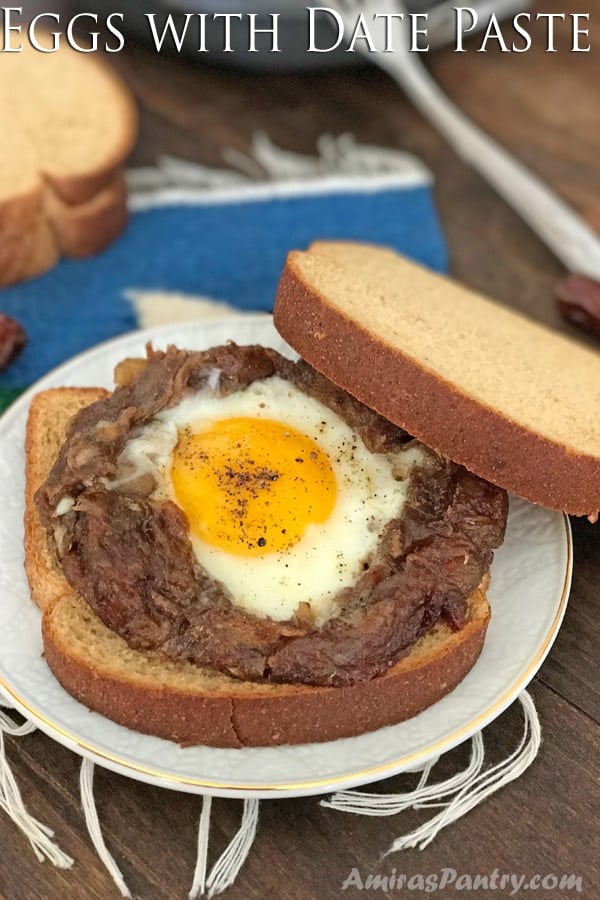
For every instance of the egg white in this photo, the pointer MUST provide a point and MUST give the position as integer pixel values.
(371, 490)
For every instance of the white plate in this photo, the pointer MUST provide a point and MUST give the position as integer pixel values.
(530, 582)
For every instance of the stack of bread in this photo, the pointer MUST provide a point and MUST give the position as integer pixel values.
(67, 125)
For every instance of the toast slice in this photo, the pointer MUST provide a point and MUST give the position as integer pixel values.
(184, 703)
(511, 400)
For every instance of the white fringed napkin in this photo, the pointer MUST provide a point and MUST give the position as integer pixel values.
(453, 798)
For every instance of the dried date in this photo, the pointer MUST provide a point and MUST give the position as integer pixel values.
(579, 302)
(12, 339)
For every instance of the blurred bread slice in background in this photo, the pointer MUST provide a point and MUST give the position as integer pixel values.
(68, 125)
(86, 228)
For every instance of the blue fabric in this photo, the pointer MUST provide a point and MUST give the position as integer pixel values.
(229, 251)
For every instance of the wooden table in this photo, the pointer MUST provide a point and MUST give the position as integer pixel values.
(544, 108)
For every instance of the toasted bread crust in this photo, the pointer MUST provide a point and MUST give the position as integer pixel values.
(242, 714)
(146, 703)
(413, 397)
(180, 702)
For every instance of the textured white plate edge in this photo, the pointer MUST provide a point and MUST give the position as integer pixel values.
(407, 762)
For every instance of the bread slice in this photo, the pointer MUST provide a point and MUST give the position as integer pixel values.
(513, 401)
(27, 243)
(184, 703)
(59, 229)
(180, 702)
(67, 125)
(29, 253)
(89, 227)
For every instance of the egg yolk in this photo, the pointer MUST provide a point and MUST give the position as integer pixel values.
(252, 486)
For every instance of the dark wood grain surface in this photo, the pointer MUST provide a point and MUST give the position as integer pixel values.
(544, 108)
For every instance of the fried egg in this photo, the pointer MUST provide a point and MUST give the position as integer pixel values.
(284, 501)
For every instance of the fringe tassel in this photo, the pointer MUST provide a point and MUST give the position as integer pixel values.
(223, 873)
(341, 155)
(454, 797)
(199, 883)
(39, 835)
(227, 867)
(424, 794)
(86, 784)
(465, 790)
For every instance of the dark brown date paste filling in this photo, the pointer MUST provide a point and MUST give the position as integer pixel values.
(131, 559)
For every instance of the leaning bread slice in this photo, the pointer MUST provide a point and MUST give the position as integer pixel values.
(513, 401)
(184, 703)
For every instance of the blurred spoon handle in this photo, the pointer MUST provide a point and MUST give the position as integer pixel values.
(554, 221)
